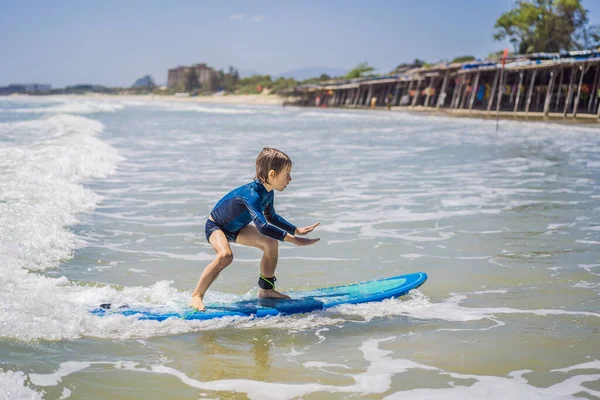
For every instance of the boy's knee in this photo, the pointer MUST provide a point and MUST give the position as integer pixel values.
(224, 258)
(270, 245)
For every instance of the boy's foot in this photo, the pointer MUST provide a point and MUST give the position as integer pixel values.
(196, 302)
(271, 294)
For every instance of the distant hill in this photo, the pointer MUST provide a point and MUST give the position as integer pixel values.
(246, 73)
(301, 74)
(144, 82)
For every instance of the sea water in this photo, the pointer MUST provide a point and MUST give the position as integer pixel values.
(105, 200)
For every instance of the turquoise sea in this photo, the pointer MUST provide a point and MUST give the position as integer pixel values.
(104, 200)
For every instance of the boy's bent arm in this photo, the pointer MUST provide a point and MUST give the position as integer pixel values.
(267, 229)
(261, 223)
(278, 221)
(275, 219)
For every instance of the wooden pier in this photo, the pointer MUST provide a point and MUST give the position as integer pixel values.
(564, 86)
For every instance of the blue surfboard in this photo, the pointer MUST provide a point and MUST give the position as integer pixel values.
(301, 301)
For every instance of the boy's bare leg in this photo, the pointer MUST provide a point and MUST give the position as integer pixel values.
(224, 257)
(250, 236)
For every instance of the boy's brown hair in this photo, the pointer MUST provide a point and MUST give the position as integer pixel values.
(271, 159)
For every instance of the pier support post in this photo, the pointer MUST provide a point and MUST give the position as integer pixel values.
(593, 93)
(570, 92)
(396, 93)
(388, 89)
(500, 90)
(459, 92)
(455, 91)
(442, 91)
(531, 84)
(410, 85)
(426, 104)
(583, 68)
(416, 98)
(493, 92)
(463, 95)
(474, 90)
(355, 95)
(549, 93)
(519, 88)
(560, 80)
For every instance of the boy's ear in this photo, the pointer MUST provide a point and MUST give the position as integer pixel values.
(272, 174)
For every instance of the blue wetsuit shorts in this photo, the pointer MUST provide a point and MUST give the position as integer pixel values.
(211, 226)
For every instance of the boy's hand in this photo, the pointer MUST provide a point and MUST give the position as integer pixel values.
(305, 241)
(298, 241)
(306, 230)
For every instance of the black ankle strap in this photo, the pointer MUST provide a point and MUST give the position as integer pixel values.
(266, 283)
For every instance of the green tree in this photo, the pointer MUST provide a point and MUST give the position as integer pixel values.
(221, 77)
(360, 70)
(322, 78)
(283, 84)
(547, 26)
(462, 59)
(417, 63)
(496, 55)
(254, 84)
(231, 79)
(213, 82)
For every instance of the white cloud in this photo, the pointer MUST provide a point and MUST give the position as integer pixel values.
(237, 17)
(257, 18)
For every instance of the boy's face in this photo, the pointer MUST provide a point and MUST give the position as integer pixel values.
(282, 179)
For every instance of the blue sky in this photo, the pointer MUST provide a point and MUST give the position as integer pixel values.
(110, 42)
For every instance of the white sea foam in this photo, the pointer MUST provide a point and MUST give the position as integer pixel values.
(587, 241)
(451, 310)
(72, 107)
(59, 310)
(13, 387)
(185, 106)
(589, 268)
(53, 379)
(41, 193)
(374, 379)
(43, 165)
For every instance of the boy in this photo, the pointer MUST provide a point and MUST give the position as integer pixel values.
(229, 221)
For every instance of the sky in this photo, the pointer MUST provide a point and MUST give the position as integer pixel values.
(115, 42)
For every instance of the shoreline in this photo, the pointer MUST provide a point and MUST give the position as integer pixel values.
(248, 99)
(259, 99)
(554, 118)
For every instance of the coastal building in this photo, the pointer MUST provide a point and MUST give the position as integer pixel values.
(557, 85)
(177, 76)
(24, 88)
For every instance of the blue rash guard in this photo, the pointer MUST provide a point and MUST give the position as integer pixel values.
(250, 202)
